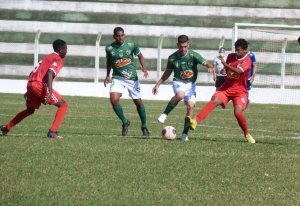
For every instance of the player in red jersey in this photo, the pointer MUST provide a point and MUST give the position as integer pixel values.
(39, 89)
(236, 67)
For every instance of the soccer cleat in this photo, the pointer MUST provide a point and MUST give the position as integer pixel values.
(145, 132)
(191, 122)
(184, 137)
(53, 134)
(249, 138)
(4, 130)
(162, 118)
(125, 128)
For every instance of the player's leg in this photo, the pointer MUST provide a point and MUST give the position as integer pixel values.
(116, 90)
(179, 90)
(32, 103)
(58, 101)
(217, 99)
(135, 93)
(239, 106)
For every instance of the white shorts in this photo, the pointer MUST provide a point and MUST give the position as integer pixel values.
(188, 88)
(118, 85)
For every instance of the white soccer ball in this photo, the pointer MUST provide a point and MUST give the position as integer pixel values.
(168, 133)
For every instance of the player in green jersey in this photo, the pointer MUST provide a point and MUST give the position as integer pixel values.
(119, 57)
(184, 64)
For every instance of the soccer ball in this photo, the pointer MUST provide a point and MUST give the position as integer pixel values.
(168, 133)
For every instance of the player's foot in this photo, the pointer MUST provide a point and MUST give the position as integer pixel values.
(184, 137)
(191, 122)
(4, 130)
(125, 128)
(145, 132)
(249, 138)
(53, 134)
(162, 118)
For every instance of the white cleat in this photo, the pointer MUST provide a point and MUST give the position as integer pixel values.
(184, 137)
(162, 118)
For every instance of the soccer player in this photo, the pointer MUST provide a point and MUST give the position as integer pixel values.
(119, 56)
(39, 89)
(184, 64)
(252, 72)
(237, 67)
(299, 40)
(218, 66)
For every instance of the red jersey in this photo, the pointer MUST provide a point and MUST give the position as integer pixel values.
(52, 61)
(237, 83)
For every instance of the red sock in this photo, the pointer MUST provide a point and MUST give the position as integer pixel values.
(18, 118)
(242, 122)
(60, 114)
(205, 111)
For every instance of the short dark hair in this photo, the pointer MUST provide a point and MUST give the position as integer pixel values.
(117, 29)
(57, 44)
(183, 39)
(242, 43)
(299, 39)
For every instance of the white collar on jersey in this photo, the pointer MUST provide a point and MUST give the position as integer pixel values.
(241, 58)
(184, 55)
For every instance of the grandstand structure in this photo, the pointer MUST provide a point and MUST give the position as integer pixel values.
(80, 23)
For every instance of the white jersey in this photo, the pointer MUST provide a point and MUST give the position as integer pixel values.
(219, 66)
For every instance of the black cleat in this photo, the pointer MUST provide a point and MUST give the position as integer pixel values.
(125, 128)
(145, 132)
(53, 134)
(4, 130)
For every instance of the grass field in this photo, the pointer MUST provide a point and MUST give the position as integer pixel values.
(94, 165)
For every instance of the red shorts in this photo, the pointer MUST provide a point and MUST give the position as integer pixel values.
(37, 92)
(237, 98)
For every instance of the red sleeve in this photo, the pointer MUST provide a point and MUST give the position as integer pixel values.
(247, 65)
(56, 66)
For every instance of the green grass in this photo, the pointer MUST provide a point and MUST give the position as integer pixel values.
(94, 165)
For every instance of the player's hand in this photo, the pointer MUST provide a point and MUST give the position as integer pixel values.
(155, 90)
(215, 78)
(223, 71)
(146, 75)
(251, 79)
(25, 96)
(106, 81)
(210, 69)
(48, 99)
(222, 60)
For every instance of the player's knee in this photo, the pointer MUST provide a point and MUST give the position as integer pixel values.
(31, 110)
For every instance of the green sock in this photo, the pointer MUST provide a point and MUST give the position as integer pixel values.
(142, 113)
(120, 114)
(169, 108)
(186, 129)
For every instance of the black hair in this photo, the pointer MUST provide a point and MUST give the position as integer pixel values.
(242, 43)
(183, 39)
(299, 39)
(57, 44)
(117, 29)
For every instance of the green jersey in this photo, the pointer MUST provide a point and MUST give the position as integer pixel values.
(185, 68)
(122, 61)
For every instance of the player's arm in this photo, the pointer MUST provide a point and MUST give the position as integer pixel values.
(214, 72)
(228, 67)
(50, 75)
(142, 61)
(25, 95)
(210, 67)
(108, 68)
(163, 78)
(253, 74)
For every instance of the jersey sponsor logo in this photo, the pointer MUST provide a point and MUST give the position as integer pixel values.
(126, 74)
(187, 74)
(121, 54)
(192, 55)
(112, 53)
(233, 75)
(122, 62)
(172, 58)
(176, 64)
(54, 63)
(109, 48)
(129, 44)
(183, 66)
(128, 52)
(190, 64)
